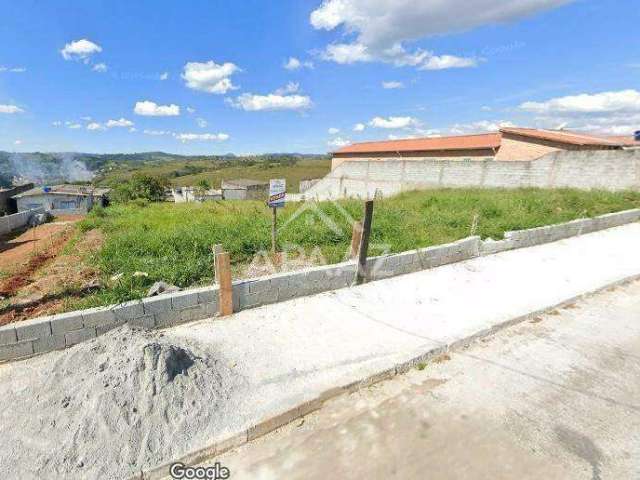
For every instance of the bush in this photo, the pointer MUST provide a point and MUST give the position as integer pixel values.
(141, 186)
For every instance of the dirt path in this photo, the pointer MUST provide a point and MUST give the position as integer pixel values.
(18, 253)
(37, 271)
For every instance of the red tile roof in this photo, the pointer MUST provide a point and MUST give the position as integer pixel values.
(464, 142)
(563, 136)
(626, 140)
(487, 141)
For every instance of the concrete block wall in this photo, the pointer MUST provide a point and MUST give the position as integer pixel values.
(45, 334)
(613, 170)
(9, 223)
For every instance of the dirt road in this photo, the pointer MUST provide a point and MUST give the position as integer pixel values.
(33, 269)
(16, 252)
(555, 398)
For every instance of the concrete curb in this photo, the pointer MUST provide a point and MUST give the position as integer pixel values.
(277, 421)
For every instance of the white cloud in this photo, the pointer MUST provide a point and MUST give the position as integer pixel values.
(95, 126)
(156, 133)
(152, 109)
(345, 53)
(391, 136)
(359, 127)
(18, 142)
(612, 112)
(486, 108)
(392, 85)
(394, 122)
(12, 69)
(133, 129)
(338, 142)
(201, 137)
(57, 123)
(295, 64)
(481, 126)
(100, 67)
(191, 110)
(80, 50)
(333, 131)
(123, 122)
(605, 102)
(290, 87)
(444, 62)
(73, 125)
(282, 99)
(202, 123)
(164, 76)
(382, 27)
(210, 77)
(10, 109)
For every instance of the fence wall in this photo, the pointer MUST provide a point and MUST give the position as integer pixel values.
(13, 222)
(44, 334)
(612, 170)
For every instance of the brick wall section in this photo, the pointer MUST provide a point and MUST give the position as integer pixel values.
(24, 339)
(603, 169)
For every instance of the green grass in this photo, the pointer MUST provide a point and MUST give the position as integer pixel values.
(173, 242)
(303, 170)
(215, 171)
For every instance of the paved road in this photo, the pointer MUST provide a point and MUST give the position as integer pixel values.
(554, 398)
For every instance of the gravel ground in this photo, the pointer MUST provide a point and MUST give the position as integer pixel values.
(108, 408)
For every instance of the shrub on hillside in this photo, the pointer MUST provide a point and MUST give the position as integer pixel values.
(141, 186)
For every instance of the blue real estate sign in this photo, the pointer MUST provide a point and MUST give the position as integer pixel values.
(277, 191)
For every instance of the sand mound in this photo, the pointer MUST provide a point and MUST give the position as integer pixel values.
(108, 408)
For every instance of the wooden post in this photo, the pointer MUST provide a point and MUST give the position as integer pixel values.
(274, 239)
(216, 249)
(356, 235)
(223, 275)
(361, 272)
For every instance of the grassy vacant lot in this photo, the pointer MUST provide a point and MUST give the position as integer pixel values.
(173, 242)
(188, 173)
(303, 170)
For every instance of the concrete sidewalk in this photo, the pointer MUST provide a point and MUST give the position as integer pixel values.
(557, 397)
(296, 352)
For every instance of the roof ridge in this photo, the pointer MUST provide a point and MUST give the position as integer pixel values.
(427, 138)
(567, 134)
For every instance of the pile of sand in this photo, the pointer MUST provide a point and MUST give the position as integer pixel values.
(109, 408)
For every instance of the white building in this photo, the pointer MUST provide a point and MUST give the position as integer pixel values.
(62, 199)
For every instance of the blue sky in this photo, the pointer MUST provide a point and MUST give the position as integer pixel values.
(209, 77)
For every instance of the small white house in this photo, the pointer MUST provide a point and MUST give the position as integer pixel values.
(191, 194)
(62, 199)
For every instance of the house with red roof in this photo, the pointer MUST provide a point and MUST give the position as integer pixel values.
(508, 144)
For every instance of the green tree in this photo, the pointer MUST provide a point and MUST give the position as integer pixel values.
(143, 186)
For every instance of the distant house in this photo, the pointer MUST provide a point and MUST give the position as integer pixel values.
(244, 189)
(7, 203)
(193, 194)
(62, 199)
(508, 144)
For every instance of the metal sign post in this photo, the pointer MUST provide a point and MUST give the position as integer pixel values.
(277, 192)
